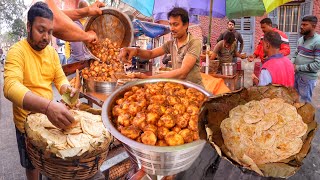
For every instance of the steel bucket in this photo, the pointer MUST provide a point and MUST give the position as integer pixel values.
(154, 160)
(229, 69)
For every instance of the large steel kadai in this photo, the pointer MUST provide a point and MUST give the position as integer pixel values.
(154, 160)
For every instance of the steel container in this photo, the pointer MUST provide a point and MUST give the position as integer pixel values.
(154, 160)
(99, 86)
(112, 24)
(229, 69)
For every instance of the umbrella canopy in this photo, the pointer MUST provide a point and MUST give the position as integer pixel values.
(221, 8)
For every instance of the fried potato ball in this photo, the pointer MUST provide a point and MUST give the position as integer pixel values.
(166, 121)
(193, 110)
(172, 100)
(124, 119)
(180, 92)
(116, 111)
(193, 125)
(152, 118)
(142, 102)
(187, 135)
(158, 99)
(176, 129)
(120, 101)
(127, 94)
(131, 132)
(174, 139)
(180, 108)
(134, 108)
(157, 108)
(183, 121)
(161, 132)
(134, 88)
(139, 120)
(148, 137)
(125, 105)
(161, 143)
(151, 127)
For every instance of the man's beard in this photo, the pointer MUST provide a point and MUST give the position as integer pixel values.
(33, 44)
(305, 32)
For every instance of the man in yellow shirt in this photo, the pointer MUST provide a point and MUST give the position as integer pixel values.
(31, 67)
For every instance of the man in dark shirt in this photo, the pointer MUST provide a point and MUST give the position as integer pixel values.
(238, 36)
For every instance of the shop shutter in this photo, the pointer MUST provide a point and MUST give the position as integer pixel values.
(306, 8)
(293, 41)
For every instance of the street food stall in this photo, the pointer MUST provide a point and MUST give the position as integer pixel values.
(161, 126)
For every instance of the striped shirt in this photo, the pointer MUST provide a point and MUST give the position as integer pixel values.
(307, 56)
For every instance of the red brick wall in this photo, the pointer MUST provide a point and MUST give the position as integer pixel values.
(257, 31)
(316, 12)
(196, 31)
(218, 26)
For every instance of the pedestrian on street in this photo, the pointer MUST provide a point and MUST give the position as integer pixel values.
(231, 28)
(277, 69)
(61, 51)
(31, 67)
(306, 58)
(185, 50)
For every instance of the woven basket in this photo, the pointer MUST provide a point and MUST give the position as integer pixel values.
(57, 168)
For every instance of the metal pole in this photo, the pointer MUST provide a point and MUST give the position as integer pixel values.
(209, 37)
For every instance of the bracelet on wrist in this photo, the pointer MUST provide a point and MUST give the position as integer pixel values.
(48, 107)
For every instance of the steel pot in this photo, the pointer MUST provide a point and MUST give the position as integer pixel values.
(99, 86)
(154, 160)
(112, 24)
(229, 69)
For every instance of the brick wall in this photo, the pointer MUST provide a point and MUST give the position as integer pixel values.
(316, 12)
(218, 26)
(257, 31)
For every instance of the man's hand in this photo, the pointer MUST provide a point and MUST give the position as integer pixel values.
(73, 91)
(91, 37)
(255, 79)
(141, 76)
(94, 9)
(126, 54)
(251, 58)
(59, 115)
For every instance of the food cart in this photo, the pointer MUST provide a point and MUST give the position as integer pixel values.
(151, 161)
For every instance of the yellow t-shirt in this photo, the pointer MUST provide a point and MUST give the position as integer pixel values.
(29, 70)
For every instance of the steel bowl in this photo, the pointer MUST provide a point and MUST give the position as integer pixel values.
(154, 160)
(105, 87)
(112, 24)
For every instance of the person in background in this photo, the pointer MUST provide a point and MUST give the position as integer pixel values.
(266, 26)
(61, 51)
(306, 58)
(226, 49)
(77, 52)
(230, 28)
(31, 68)
(277, 69)
(184, 49)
